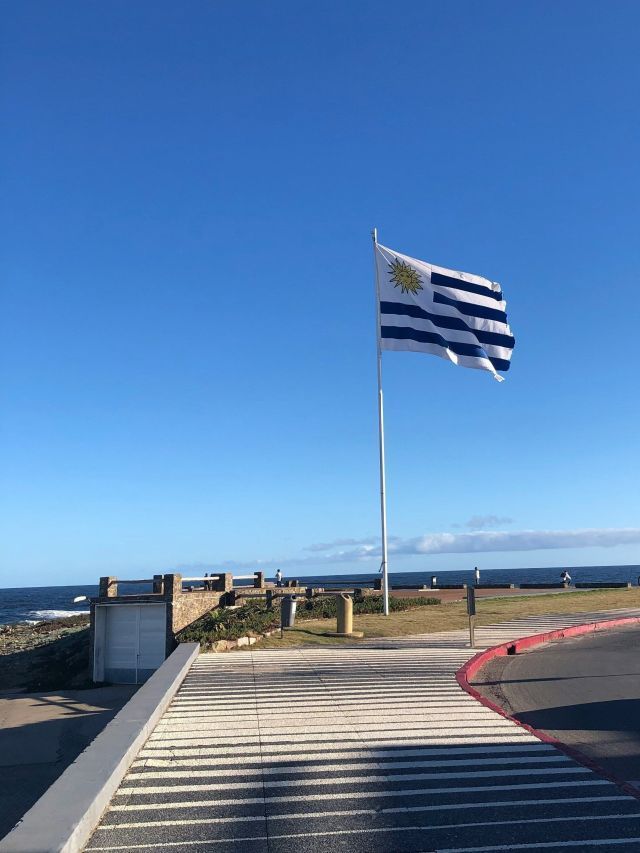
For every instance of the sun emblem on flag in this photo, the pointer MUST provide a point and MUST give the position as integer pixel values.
(404, 276)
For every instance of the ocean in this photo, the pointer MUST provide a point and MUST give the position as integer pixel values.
(35, 604)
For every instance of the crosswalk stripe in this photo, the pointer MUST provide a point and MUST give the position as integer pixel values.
(421, 828)
(302, 735)
(343, 795)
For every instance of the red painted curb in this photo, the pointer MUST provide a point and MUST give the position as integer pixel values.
(471, 667)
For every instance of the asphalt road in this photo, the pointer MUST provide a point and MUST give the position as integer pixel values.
(584, 691)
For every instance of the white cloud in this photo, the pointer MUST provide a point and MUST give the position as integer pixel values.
(485, 541)
(481, 522)
(522, 540)
(339, 543)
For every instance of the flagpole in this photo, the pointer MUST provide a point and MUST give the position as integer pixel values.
(383, 497)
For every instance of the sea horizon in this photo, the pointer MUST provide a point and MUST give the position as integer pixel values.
(30, 604)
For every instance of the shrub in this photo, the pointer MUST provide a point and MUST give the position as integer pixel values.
(251, 619)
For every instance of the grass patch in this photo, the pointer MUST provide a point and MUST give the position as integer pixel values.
(325, 608)
(451, 616)
(253, 619)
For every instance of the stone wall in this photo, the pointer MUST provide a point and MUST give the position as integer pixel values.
(187, 607)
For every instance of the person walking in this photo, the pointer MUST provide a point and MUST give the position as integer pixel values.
(477, 574)
(278, 578)
(565, 577)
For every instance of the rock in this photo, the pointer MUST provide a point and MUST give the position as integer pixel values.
(45, 656)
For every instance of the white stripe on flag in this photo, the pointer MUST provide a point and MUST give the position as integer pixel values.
(454, 315)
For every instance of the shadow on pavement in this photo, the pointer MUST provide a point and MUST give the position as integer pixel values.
(41, 734)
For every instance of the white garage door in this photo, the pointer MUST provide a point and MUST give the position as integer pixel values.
(134, 641)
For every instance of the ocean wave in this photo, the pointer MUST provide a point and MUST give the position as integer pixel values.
(48, 615)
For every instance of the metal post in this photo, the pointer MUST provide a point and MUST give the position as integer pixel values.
(383, 500)
(471, 612)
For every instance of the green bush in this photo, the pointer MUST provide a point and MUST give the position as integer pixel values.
(249, 620)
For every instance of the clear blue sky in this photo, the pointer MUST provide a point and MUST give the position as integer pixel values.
(186, 319)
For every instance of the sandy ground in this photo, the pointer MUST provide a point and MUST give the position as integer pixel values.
(41, 734)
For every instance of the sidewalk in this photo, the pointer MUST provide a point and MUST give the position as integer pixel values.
(368, 749)
(41, 734)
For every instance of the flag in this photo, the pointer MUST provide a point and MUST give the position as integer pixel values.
(455, 315)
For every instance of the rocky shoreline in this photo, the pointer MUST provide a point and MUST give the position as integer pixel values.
(48, 655)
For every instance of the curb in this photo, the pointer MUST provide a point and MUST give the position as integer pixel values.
(63, 819)
(472, 667)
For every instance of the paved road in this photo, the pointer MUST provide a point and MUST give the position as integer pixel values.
(585, 692)
(367, 749)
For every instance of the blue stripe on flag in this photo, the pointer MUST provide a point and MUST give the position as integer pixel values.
(470, 308)
(403, 333)
(443, 321)
(439, 278)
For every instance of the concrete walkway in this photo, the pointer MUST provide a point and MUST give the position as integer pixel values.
(41, 734)
(365, 748)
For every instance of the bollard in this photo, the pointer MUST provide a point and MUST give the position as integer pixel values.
(345, 613)
(344, 609)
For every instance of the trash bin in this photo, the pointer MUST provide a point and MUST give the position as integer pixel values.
(288, 611)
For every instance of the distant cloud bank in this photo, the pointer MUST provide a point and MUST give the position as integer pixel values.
(522, 540)
(480, 541)
(349, 550)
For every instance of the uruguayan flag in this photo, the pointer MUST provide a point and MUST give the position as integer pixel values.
(456, 315)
